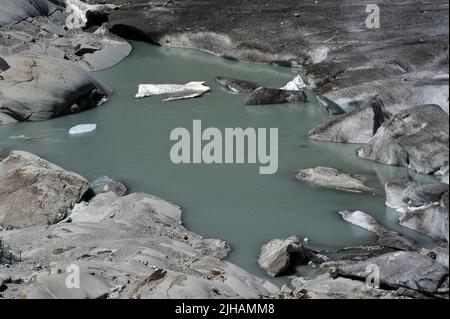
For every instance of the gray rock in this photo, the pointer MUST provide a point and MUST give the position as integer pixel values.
(237, 86)
(401, 269)
(262, 96)
(325, 286)
(332, 178)
(417, 138)
(420, 195)
(386, 237)
(63, 88)
(4, 279)
(357, 126)
(431, 219)
(36, 192)
(17, 10)
(278, 255)
(6, 119)
(394, 191)
(424, 208)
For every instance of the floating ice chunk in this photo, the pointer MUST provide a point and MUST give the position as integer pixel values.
(174, 91)
(82, 129)
(296, 84)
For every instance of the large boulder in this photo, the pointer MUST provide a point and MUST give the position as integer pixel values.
(357, 126)
(417, 138)
(262, 96)
(332, 178)
(400, 270)
(36, 192)
(36, 88)
(279, 255)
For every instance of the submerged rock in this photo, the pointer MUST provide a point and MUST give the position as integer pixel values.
(334, 179)
(262, 96)
(278, 255)
(174, 91)
(417, 138)
(357, 126)
(386, 237)
(62, 87)
(237, 86)
(36, 192)
(400, 270)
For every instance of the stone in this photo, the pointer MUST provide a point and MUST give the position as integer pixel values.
(173, 91)
(417, 138)
(355, 127)
(6, 119)
(394, 191)
(262, 96)
(386, 237)
(17, 10)
(278, 255)
(334, 179)
(36, 192)
(401, 270)
(63, 88)
(236, 86)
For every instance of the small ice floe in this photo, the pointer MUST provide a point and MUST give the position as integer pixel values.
(173, 91)
(82, 129)
(296, 84)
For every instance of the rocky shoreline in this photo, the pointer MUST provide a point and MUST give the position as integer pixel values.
(388, 85)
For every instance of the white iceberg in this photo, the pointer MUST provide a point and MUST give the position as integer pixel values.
(296, 84)
(174, 91)
(82, 129)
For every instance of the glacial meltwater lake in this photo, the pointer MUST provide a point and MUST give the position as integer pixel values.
(231, 202)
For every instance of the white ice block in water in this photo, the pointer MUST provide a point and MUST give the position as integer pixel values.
(296, 84)
(82, 129)
(174, 91)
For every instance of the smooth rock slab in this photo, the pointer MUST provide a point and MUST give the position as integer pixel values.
(417, 138)
(15, 10)
(36, 192)
(332, 178)
(262, 96)
(401, 269)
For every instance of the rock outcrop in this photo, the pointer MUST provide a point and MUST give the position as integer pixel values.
(36, 192)
(332, 178)
(355, 127)
(424, 208)
(401, 270)
(36, 88)
(417, 138)
(132, 246)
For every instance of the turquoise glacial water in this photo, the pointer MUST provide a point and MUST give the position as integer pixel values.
(231, 202)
